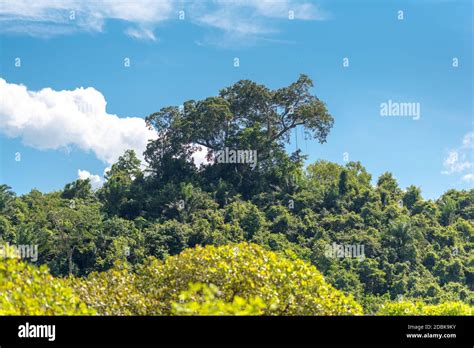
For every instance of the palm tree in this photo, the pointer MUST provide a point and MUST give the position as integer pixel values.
(448, 211)
(400, 231)
(6, 198)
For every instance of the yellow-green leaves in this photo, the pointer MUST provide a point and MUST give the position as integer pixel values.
(29, 290)
(287, 287)
(201, 299)
(234, 279)
(111, 293)
(420, 308)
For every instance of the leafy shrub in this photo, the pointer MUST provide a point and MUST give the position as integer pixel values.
(235, 279)
(112, 292)
(419, 308)
(287, 287)
(202, 299)
(30, 290)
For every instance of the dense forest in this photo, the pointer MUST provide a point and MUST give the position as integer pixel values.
(167, 236)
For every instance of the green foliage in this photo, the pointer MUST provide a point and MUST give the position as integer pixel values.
(166, 239)
(448, 211)
(288, 287)
(81, 189)
(117, 194)
(412, 198)
(243, 116)
(6, 198)
(120, 241)
(201, 299)
(419, 308)
(416, 248)
(238, 279)
(247, 216)
(112, 292)
(29, 290)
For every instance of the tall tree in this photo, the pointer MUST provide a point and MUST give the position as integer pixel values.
(244, 116)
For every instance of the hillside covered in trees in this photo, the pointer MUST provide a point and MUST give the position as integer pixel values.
(273, 236)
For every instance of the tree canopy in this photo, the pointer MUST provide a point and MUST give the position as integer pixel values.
(319, 233)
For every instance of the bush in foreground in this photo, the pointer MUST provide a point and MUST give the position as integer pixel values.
(240, 272)
(202, 299)
(30, 290)
(420, 308)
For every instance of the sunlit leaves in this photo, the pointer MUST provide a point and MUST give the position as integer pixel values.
(419, 308)
(287, 287)
(201, 299)
(30, 290)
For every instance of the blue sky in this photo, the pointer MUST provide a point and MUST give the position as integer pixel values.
(173, 60)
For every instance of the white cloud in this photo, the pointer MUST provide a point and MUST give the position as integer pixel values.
(236, 17)
(226, 20)
(468, 141)
(460, 160)
(95, 180)
(456, 162)
(49, 119)
(200, 156)
(302, 10)
(468, 177)
(252, 17)
(51, 17)
(141, 34)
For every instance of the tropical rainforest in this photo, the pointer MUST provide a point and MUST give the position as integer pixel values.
(169, 236)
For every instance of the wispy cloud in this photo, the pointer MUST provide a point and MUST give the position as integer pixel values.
(54, 17)
(247, 22)
(460, 160)
(233, 18)
(468, 177)
(141, 34)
